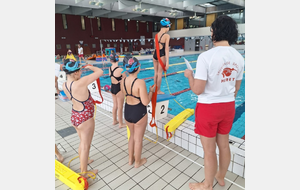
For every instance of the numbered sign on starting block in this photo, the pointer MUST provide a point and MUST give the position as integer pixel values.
(62, 76)
(93, 87)
(162, 105)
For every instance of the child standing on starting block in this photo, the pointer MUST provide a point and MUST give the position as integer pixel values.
(76, 89)
(163, 44)
(135, 112)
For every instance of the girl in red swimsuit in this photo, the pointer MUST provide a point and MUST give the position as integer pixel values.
(83, 108)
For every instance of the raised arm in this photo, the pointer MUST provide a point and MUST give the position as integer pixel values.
(86, 80)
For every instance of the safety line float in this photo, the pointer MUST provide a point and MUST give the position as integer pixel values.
(69, 177)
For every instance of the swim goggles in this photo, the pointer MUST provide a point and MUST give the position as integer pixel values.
(74, 68)
(132, 68)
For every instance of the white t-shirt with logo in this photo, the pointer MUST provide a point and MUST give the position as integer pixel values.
(57, 69)
(220, 67)
(80, 51)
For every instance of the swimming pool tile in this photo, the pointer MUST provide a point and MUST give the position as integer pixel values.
(238, 169)
(113, 175)
(95, 186)
(239, 159)
(118, 181)
(184, 144)
(177, 141)
(141, 175)
(234, 187)
(169, 187)
(159, 184)
(171, 175)
(191, 169)
(127, 185)
(137, 187)
(155, 165)
(192, 148)
(148, 181)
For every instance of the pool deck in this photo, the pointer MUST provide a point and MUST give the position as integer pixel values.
(170, 164)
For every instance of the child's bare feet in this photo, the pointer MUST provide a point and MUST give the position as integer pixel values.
(88, 174)
(122, 125)
(130, 162)
(143, 161)
(199, 186)
(115, 122)
(60, 158)
(221, 181)
(160, 92)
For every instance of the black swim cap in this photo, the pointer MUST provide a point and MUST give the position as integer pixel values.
(114, 57)
(132, 63)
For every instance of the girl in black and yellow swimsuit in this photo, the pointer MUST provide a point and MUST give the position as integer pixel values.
(117, 95)
(135, 112)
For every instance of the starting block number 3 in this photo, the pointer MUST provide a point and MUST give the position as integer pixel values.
(93, 87)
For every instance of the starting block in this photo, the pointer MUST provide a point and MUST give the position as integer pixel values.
(69, 177)
(162, 104)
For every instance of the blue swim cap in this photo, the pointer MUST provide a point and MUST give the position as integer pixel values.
(165, 22)
(71, 67)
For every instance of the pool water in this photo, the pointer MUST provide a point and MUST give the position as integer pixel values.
(178, 82)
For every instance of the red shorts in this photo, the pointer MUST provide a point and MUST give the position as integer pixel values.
(80, 55)
(211, 119)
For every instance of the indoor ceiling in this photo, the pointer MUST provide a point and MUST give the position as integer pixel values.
(146, 10)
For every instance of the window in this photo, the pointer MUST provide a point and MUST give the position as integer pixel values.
(68, 46)
(121, 45)
(99, 23)
(108, 45)
(58, 46)
(113, 24)
(147, 27)
(155, 28)
(115, 45)
(82, 23)
(85, 45)
(137, 26)
(126, 26)
(93, 45)
(64, 19)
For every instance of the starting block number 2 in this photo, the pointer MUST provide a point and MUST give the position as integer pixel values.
(161, 110)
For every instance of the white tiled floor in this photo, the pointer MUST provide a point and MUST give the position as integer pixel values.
(166, 168)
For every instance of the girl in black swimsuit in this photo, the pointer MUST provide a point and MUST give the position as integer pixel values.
(135, 112)
(117, 95)
(163, 52)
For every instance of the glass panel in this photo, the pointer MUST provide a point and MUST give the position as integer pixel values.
(99, 23)
(113, 24)
(126, 28)
(64, 21)
(82, 23)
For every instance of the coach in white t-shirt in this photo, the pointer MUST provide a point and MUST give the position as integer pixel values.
(80, 53)
(218, 77)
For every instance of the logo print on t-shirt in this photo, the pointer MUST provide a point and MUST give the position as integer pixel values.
(227, 72)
